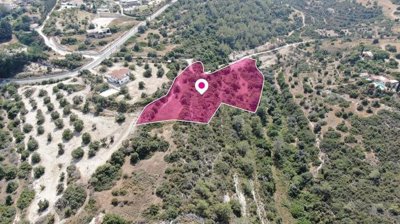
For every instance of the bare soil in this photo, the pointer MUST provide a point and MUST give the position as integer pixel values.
(55, 164)
(140, 181)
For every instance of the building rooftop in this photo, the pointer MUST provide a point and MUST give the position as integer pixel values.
(368, 54)
(108, 92)
(120, 73)
(98, 30)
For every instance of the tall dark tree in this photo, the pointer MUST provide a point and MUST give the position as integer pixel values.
(5, 30)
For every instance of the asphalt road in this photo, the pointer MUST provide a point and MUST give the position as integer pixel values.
(114, 47)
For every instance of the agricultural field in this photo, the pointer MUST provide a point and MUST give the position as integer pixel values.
(68, 128)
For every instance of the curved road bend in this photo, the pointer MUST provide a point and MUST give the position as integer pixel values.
(48, 41)
(96, 61)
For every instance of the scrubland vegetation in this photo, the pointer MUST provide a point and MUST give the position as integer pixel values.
(321, 148)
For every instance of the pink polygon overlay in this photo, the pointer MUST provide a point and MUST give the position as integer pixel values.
(238, 85)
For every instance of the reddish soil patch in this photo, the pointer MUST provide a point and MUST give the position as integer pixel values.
(238, 85)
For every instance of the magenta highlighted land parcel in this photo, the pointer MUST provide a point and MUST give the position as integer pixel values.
(195, 96)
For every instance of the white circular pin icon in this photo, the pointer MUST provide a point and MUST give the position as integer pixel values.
(201, 86)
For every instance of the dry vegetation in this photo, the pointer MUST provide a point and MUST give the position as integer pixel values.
(321, 148)
(388, 7)
(55, 164)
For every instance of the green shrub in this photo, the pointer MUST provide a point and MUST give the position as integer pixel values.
(32, 144)
(134, 158)
(77, 153)
(59, 123)
(67, 135)
(27, 128)
(38, 172)
(86, 138)
(120, 118)
(43, 205)
(113, 219)
(35, 158)
(55, 115)
(40, 130)
(25, 198)
(40, 117)
(11, 187)
(10, 172)
(24, 170)
(78, 125)
(104, 176)
(73, 198)
(7, 211)
(141, 85)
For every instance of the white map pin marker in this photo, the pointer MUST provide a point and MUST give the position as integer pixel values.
(201, 86)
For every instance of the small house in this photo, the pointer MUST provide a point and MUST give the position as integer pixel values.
(393, 85)
(120, 76)
(130, 3)
(383, 83)
(98, 32)
(103, 10)
(368, 54)
(70, 4)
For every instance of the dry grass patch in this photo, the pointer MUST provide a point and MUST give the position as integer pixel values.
(135, 191)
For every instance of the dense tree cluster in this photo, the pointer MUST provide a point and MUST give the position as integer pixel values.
(336, 15)
(141, 147)
(113, 219)
(214, 29)
(11, 64)
(71, 61)
(25, 198)
(72, 199)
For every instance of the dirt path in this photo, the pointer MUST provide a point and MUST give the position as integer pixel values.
(88, 167)
(303, 19)
(52, 42)
(240, 195)
(277, 49)
(97, 61)
(280, 197)
(261, 50)
(49, 41)
(260, 206)
(321, 155)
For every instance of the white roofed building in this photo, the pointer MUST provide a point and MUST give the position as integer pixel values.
(120, 76)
